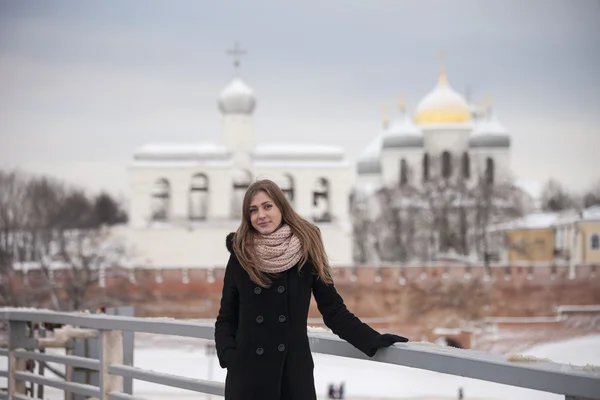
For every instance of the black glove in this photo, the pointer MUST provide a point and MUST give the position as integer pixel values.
(386, 340)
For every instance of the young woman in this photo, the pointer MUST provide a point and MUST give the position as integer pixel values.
(277, 261)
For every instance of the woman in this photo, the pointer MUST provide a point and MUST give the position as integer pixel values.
(277, 260)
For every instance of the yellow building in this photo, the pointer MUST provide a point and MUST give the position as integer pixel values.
(571, 236)
(577, 235)
(527, 240)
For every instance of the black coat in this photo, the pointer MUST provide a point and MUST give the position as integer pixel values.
(261, 334)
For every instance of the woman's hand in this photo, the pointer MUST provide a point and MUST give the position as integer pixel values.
(386, 340)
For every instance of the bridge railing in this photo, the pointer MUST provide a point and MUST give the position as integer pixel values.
(574, 382)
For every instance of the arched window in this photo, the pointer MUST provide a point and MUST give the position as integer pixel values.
(595, 242)
(321, 201)
(161, 200)
(198, 197)
(425, 167)
(489, 170)
(446, 164)
(403, 172)
(241, 182)
(466, 166)
(287, 187)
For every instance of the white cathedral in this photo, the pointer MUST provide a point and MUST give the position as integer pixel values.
(185, 199)
(446, 137)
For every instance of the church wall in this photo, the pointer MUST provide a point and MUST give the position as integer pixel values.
(142, 182)
(238, 137)
(501, 157)
(202, 245)
(390, 161)
(139, 201)
(446, 138)
(221, 193)
(177, 246)
(338, 243)
(340, 182)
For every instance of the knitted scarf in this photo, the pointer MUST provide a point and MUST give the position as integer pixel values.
(278, 251)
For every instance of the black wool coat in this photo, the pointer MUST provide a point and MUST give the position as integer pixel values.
(261, 334)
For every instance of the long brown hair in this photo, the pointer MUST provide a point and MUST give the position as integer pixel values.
(308, 234)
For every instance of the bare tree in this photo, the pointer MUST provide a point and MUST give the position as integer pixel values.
(55, 230)
(395, 223)
(591, 197)
(446, 212)
(12, 195)
(361, 219)
(556, 198)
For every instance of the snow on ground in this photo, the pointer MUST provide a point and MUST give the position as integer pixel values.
(364, 379)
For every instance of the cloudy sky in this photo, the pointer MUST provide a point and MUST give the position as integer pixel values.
(83, 84)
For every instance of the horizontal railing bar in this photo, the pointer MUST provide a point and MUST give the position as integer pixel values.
(545, 376)
(163, 326)
(195, 385)
(4, 352)
(74, 361)
(18, 396)
(3, 374)
(78, 388)
(123, 396)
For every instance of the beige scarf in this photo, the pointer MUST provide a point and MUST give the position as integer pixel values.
(277, 251)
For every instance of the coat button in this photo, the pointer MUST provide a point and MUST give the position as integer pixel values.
(257, 290)
(282, 318)
(260, 351)
(281, 289)
(281, 347)
(260, 319)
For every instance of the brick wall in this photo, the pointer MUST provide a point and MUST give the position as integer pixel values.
(428, 296)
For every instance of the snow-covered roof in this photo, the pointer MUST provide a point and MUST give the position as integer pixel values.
(537, 220)
(541, 220)
(297, 152)
(180, 152)
(591, 213)
(572, 216)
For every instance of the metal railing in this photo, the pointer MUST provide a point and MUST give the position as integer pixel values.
(574, 382)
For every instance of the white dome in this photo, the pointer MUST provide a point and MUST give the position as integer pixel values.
(237, 98)
(490, 125)
(403, 134)
(489, 133)
(403, 125)
(369, 161)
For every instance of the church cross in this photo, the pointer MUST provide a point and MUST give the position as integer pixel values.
(443, 77)
(236, 52)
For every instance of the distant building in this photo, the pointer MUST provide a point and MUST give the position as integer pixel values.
(526, 240)
(186, 198)
(571, 237)
(446, 136)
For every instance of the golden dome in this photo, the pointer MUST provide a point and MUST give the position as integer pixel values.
(442, 105)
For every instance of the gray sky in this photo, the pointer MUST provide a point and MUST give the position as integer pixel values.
(82, 84)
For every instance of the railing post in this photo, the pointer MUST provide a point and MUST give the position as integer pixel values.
(111, 352)
(17, 338)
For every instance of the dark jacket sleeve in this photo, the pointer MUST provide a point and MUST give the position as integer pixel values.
(341, 321)
(227, 320)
